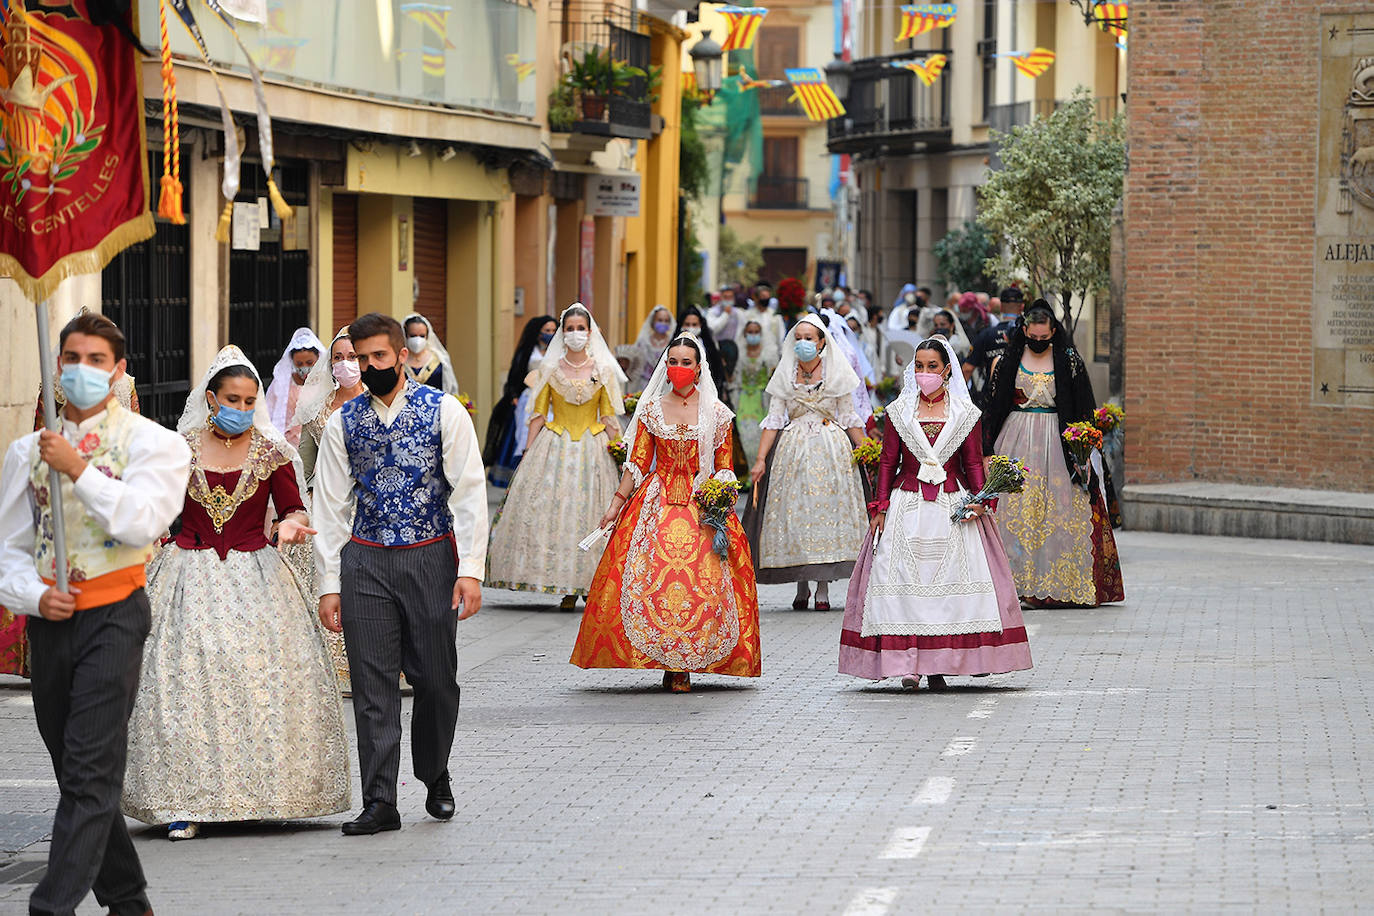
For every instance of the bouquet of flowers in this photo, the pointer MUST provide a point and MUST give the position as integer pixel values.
(716, 500)
(1083, 439)
(888, 388)
(618, 450)
(466, 401)
(867, 453)
(1109, 419)
(791, 296)
(631, 402)
(1005, 475)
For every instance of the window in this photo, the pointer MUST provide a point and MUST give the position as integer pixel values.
(987, 49)
(778, 49)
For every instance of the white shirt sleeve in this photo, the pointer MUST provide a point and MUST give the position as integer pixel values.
(896, 321)
(466, 475)
(20, 586)
(845, 414)
(778, 417)
(137, 509)
(333, 504)
(717, 320)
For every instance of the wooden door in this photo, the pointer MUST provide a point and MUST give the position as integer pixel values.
(345, 261)
(431, 262)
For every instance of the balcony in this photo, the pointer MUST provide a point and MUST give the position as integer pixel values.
(623, 32)
(773, 101)
(776, 192)
(889, 109)
(1004, 117)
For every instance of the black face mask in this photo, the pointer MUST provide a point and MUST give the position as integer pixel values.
(1038, 346)
(381, 381)
(946, 333)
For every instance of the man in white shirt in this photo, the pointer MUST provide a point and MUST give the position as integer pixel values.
(123, 481)
(401, 508)
(723, 318)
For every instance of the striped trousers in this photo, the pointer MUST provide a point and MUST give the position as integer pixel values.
(85, 673)
(397, 614)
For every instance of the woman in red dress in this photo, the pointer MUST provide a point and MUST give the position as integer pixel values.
(662, 598)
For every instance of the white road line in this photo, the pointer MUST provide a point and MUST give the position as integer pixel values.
(957, 747)
(872, 901)
(934, 791)
(906, 843)
(28, 783)
(984, 709)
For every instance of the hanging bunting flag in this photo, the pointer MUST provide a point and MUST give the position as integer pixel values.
(747, 82)
(744, 22)
(73, 171)
(919, 18)
(523, 68)
(1030, 63)
(1111, 17)
(817, 99)
(433, 17)
(928, 70)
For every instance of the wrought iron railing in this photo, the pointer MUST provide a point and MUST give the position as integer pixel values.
(774, 100)
(1005, 117)
(777, 192)
(890, 105)
(622, 32)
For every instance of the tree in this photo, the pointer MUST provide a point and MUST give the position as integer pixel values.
(740, 260)
(962, 255)
(1051, 202)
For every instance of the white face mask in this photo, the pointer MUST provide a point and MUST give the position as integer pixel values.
(417, 344)
(576, 340)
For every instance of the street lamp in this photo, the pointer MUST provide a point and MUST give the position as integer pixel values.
(706, 57)
(837, 75)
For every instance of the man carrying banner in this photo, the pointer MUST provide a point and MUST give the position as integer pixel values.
(123, 479)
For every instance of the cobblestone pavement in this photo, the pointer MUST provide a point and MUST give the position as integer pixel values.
(1201, 747)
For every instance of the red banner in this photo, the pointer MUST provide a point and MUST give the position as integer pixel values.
(73, 174)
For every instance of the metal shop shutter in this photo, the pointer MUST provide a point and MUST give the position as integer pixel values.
(431, 262)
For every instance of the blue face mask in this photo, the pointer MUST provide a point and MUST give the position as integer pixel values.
(805, 350)
(85, 386)
(753, 340)
(233, 421)
(545, 337)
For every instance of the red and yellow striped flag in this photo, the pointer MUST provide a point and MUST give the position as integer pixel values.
(433, 17)
(522, 68)
(817, 99)
(928, 70)
(1031, 63)
(1111, 17)
(744, 22)
(919, 18)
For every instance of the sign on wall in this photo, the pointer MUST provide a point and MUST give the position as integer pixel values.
(613, 195)
(1343, 258)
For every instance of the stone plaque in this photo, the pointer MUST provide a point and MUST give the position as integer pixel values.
(1343, 293)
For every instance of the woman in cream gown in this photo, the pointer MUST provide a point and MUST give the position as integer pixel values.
(567, 476)
(806, 518)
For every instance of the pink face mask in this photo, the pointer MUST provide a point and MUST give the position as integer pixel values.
(930, 382)
(346, 373)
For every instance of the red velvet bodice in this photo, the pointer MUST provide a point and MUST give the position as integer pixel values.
(898, 467)
(244, 530)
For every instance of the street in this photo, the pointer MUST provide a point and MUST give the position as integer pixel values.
(1206, 745)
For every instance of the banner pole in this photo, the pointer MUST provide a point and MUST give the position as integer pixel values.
(49, 373)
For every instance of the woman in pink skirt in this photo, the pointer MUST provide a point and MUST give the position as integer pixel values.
(930, 596)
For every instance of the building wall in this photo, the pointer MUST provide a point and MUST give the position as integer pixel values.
(1219, 209)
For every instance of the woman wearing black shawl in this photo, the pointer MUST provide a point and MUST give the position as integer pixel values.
(503, 448)
(1058, 534)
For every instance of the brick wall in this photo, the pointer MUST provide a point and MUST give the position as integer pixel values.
(1220, 202)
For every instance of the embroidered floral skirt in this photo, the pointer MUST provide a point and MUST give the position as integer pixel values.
(300, 559)
(663, 599)
(237, 715)
(1057, 535)
(557, 498)
(943, 580)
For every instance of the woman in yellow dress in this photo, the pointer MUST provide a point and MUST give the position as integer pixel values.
(567, 475)
(662, 597)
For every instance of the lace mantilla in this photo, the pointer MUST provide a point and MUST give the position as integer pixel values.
(659, 425)
(263, 458)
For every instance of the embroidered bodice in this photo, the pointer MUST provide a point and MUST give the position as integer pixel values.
(1037, 388)
(431, 373)
(811, 407)
(578, 405)
(898, 469)
(669, 452)
(398, 471)
(225, 509)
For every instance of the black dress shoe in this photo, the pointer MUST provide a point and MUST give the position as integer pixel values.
(376, 817)
(439, 802)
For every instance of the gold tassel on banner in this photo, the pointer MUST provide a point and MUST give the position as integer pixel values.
(279, 203)
(169, 201)
(226, 221)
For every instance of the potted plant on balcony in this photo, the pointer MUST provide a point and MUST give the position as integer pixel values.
(562, 107)
(595, 76)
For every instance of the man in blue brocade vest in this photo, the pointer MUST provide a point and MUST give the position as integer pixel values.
(401, 507)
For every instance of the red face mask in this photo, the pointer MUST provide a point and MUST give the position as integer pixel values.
(682, 377)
